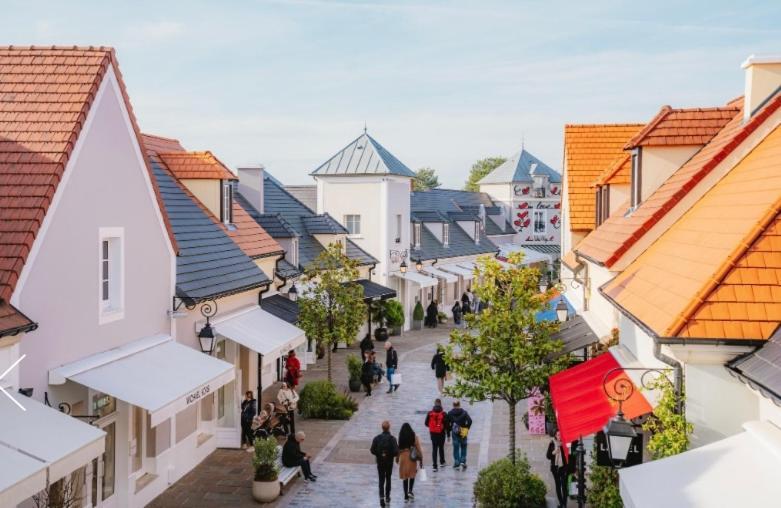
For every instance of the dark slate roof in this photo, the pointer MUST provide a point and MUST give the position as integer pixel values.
(281, 307)
(428, 216)
(489, 210)
(762, 369)
(576, 334)
(293, 217)
(323, 225)
(545, 249)
(450, 200)
(519, 168)
(363, 156)
(461, 244)
(372, 290)
(286, 270)
(209, 264)
(492, 228)
(463, 216)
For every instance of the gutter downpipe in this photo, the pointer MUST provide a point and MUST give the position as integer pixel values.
(677, 372)
(584, 282)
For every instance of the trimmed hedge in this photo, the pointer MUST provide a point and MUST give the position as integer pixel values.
(504, 485)
(319, 399)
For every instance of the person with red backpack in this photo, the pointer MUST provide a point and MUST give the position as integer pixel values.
(437, 423)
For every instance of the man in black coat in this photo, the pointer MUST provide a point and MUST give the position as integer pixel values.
(385, 448)
(292, 455)
(440, 368)
(391, 364)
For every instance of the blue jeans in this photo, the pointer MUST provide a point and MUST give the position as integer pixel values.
(459, 450)
(389, 374)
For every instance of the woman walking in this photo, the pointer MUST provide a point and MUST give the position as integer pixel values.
(456, 310)
(558, 468)
(368, 370)
(410, 454)
(432, 314)
(289, 400)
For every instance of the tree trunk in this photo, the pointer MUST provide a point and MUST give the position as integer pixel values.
(512, 431)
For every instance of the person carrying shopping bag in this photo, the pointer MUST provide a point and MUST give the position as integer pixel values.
(410, 455)
(391, 365)
(460, 423)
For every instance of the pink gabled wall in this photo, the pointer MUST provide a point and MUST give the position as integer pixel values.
(106, 185)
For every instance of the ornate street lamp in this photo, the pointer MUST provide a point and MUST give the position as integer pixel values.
(206, 335)
(543, 283)
(403, 267)
(562, 312)
(292, 293)
(418, 265)
(619, 434)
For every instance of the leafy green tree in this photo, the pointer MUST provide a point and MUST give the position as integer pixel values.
(480, 169)
(504, 352)
(425, 179)
(603, 488)
(332, 309)
(667, 426)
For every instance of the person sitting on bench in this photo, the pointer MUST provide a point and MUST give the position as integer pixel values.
(292, 456)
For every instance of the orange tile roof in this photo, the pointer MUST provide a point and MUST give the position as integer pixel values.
(683, 126)
(45, 98)
(196, 165)
(159, 144)
(588, 150)
(614, 237)
(716, 272)
(620, 172)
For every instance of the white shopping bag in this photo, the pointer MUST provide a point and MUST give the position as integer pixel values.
(396, 378)
(422, 476)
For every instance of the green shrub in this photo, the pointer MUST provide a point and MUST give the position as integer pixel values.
(417, 312)
(265, 459)
(394, 313)
(319, 399)
(354, 366)
(603, 485)
(504, 485)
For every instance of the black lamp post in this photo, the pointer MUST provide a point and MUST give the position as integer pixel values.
(619, 434)
(292, 293)
(580, 452)
(206, 335)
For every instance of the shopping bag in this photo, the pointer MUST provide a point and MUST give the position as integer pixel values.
(396, 378)
(422, 476)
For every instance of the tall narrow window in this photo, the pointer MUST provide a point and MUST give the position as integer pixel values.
(105, 269)
(637, 179)
(110, 274)
(353, 224)
(445, 234)
(598, 214)
(477, 231)
(416, 233)
(227, 202)
(539, 221)
(605, 202)
(398, 228)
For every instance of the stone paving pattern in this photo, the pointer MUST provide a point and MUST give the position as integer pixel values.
(346, 470)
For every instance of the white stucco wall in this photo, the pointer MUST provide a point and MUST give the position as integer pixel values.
(659, 162)
(619, 195)
(9, 353)
(207, 191)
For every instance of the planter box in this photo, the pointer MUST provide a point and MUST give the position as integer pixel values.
(417, 325)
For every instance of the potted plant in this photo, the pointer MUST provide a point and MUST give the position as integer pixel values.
(442, 317)
(417, 316)
(354, 370)
(395, 316)
(380, 317)
(265, 487)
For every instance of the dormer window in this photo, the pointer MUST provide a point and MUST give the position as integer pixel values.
(294, 252)
(477, 231)
(540, 185)
(226, 202)
(445, 234)
(637, 180)
(416, 234)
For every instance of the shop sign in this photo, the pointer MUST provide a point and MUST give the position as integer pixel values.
(633, 458)
(197, 395)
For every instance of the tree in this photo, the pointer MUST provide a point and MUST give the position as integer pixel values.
(425, 179)
(480, 169)
(504, 352)
(332, 309)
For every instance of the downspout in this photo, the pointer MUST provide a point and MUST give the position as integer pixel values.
(677, 372)
(585, 282)
(260, 356)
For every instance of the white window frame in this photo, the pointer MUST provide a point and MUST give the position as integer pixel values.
(542, 214)
(445, 234)
(636, 178)
(351, 220)
(113, 308)
(416, 233)
(227, 202)
(398, 228)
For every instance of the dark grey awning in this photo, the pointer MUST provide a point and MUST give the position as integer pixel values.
(575, 334)
(372, 290)
(281, 307)
(762, 369)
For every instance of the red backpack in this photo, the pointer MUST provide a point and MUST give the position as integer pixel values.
(436, 422)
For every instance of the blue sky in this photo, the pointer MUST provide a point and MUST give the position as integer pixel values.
(439, 83)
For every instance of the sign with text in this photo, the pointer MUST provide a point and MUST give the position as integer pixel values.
(633, 458)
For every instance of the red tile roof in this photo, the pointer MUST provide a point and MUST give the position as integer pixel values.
(617, 173)
(683, 126)
(45, 98)
(196, 165)
(619, 233)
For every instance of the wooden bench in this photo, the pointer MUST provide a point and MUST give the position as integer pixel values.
(286, 474)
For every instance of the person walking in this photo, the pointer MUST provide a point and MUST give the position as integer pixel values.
(558, 468)
(436, 421)
(460, 422)
(466, 306)
(293, 366)
(432, 314)
(249, 408)
(292, 456)
(385, 449)
(410, 455)
(456, 310)
(288, 399)
(368, 370)
(440, 368)
(367, 346)
(471, 298)
(391, 365)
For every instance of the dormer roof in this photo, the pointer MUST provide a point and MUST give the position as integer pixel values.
(196, 166)
(363, 156)
(683, 126)
(520, 168)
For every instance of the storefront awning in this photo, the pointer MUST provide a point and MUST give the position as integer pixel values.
(39, 439)
(436, 272)
(579, 399)
(421, 280)
(155, 373)
(575, 334)
(741, 470)
(373, 291)
(260, 331)
(467, 274)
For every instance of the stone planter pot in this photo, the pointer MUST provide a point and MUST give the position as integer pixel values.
(395, 331)
(355, 385)
(265, 492)
(381, 334)
(417, 325)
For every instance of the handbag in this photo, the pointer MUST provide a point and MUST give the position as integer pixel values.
(422, 476)
(463, 432)
(396, 378)
(413, 454)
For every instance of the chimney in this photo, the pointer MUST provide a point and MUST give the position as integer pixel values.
(251, 185)
(763, 77)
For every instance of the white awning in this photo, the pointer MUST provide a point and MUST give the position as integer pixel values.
(436, 272)
(36, 439)
(421, 280)
(261, 331)
(469, 265)
(155, 373)
(741, 470)
(466, 273)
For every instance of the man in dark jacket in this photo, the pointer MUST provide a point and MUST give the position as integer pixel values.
(391, 364)
(367, 345)
(385, 448)
(437, 423)
(460, 422)
(440, 368)
(292, 455)
(249, 409)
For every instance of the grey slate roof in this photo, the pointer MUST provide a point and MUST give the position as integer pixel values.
(428, 216)
(294, 218)
(209, 264)
(373, 290)
(450, 200)
(762, 369)
(307, 194)
(576, 334)
(489, 210)
(286, 270)
(281, 307)
(463, 216)
(363, 156)
(545, 249)
(323, 225)
(492, 228)
(519, 168)
(461, 244)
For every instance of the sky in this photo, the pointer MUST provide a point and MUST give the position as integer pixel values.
(288, 83)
